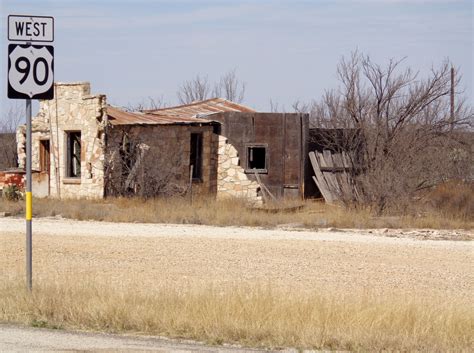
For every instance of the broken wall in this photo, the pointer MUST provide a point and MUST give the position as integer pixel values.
(72, 109)
(232, 181)
(154, 160)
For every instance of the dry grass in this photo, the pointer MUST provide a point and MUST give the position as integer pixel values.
(452, 199)
(313, 214)
(251, 316)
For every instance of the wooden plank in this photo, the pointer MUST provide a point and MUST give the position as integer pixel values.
(327, 158)
(338, 162)
(329, 176)
(322, 158)
(332, 184)
(346, 160)
(340, 177)
(344, 186)
(335, 169)
(348, 184)
(319, 178)
(264, 188)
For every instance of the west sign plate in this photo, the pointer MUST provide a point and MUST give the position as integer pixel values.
(30, 28)
(30, 71)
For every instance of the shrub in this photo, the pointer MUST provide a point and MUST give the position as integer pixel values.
(12, 193)
(453, 199)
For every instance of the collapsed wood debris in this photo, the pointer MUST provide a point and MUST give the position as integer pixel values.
(332, 174)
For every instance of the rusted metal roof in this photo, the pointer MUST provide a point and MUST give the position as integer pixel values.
(120, 117)
(188, 114)
(201, 108)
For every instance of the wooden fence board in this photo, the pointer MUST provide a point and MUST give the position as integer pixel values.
(332, 174)
(319, 178)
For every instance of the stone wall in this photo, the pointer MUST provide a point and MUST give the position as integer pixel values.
(231, 178)
(72, 109)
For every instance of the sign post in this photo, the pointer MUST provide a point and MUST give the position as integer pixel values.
(30, 76)
(29, 201)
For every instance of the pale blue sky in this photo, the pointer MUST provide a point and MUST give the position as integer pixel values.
(283, 50)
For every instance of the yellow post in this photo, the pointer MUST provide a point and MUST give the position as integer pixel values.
(29, 206)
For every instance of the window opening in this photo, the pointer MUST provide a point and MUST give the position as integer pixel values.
(196, 155)
(257, 158)
(73, 154)
(44, 156)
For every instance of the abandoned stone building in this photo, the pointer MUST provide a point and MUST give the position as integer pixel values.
(85, 148)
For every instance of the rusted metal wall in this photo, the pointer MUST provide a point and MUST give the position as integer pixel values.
(283, 135)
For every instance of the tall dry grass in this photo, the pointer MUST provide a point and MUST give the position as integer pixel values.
(251, 316)
(452, 199)
(235, 212)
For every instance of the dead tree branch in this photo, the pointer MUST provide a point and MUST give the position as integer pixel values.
(398, 124)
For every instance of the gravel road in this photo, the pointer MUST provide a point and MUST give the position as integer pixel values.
(65, 227)
(302, 260)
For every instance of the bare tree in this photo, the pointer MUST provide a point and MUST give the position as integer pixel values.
(230, 87)
(397, 127)
(199, 88)
(149, 104)
(8, 125)
(136, 166)
(300, 107)
(195, 89)
(273, 106)
(12, 118)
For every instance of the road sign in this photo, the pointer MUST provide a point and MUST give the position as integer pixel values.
(30, 28)
(30, 76)
(30, 71)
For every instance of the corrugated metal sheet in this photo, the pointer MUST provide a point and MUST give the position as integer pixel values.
(119, 117)
(187, 114)
(201, 108)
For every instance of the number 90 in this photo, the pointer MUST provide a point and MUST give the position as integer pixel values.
(26, 68)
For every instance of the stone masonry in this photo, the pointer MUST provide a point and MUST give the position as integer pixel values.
(231, 178)
(72, 109)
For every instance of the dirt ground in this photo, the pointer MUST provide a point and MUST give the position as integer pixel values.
(148, 255)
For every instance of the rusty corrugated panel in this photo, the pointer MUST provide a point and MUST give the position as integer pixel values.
(206, 107)
(119, 117)
(183, 114)
(231, 106)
